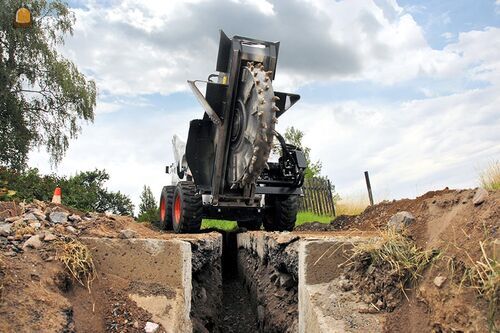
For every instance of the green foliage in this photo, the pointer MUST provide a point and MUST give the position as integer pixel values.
(43, 96)
(294, 136)
(84, 191)
(148, 209)
(304, 217)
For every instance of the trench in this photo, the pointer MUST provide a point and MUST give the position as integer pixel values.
(245, 293)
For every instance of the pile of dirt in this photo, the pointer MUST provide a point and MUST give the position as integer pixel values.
(458, 291)
(38, 293)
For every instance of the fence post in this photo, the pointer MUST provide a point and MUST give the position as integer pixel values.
(331, 198)
(369, 187)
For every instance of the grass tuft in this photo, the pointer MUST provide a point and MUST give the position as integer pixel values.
(490, 177)
(78, 261)
(405, 259)
(483, 276)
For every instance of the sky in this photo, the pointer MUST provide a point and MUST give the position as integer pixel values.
(407, 90)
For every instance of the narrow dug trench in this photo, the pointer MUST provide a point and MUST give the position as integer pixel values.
(255, 293)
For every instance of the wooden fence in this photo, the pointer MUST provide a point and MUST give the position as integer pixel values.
(317, 197)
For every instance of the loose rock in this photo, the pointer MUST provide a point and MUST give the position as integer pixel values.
(49, 237)
(439, 280)
(33, 242)
(400, 220)
(480, 196)
(151, 327)
(128, 233)
(58, 217)
(74, 218)
(5, 229)
(71, 229)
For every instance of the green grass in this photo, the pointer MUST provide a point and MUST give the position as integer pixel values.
(302, 217)
(219, 224)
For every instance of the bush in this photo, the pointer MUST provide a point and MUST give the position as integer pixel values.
(85, 191)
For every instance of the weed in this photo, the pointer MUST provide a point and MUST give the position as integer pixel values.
(24, 230)
(78, 260)
(490, 177)
(481, 275)
(406, 260)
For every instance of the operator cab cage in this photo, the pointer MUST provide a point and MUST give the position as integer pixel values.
(207, 149)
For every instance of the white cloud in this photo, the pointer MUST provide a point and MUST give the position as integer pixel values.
(139, 47)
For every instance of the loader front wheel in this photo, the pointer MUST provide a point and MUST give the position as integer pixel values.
(187, 208)
(281, 212)
(166, 199)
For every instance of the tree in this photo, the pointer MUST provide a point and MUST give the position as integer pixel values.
(84, 191)
(294, 136)
(43, 96)
(148, 209)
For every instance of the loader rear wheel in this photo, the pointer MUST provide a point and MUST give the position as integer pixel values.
(281, 212)
(254, 224)
(166, 199)
(187, 208)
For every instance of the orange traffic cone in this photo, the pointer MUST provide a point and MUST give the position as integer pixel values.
(57, 196)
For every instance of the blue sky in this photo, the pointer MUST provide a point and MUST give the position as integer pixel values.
(405, 89)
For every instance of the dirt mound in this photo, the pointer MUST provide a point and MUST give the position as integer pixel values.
(459, 290)
(37, 291)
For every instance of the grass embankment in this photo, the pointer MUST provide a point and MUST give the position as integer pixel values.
(302, 217)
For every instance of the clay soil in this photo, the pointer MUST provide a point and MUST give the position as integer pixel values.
(449, 225)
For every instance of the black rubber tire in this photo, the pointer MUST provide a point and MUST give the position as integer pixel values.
(254, 224)
(190, 208)
(167, 197)
(281, 212)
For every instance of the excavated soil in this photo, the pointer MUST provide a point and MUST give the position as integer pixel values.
(449, 224)
(37, 294)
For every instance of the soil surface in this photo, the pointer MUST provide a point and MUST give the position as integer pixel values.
(455, 229)
(38, 295)
(237, 312)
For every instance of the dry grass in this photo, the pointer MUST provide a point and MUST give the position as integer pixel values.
(351, 205)
(25, 230)
(78, 261)
(406, 260)
(483, 276)
(490, 177)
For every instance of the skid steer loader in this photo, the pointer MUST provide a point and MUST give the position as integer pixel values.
(223, 171)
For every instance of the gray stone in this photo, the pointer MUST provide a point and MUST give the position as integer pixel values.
(30, 217)
(5, 229)
(58, 217)
(401, 220)
(151, 327)
(480, 196)
(71, 229)
(439, 280)
(33, 242)
(128, 233)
